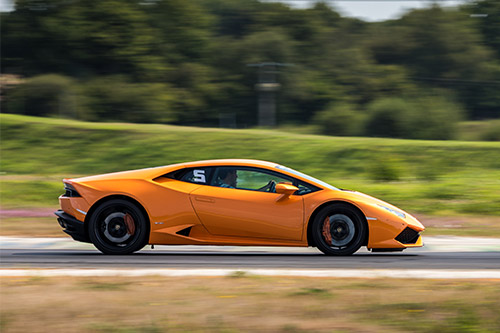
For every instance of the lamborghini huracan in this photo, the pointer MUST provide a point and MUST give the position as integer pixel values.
(229, 202)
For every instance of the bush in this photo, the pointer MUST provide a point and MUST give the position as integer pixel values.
(436, 119)
(492, 133)
(388, 117)
(113, 98)
(429, 117)
(385, 169)
(339, 119)
(44, 95)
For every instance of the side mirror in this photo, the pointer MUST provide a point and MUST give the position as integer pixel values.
(286, 189)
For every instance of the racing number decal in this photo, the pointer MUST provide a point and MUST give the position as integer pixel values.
(199, 176)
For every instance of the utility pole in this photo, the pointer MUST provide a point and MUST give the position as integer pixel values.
(267, 88)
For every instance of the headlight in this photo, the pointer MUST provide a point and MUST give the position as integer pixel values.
(70, 191)
(395, 212)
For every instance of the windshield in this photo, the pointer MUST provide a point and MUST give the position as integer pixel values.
(303, 175)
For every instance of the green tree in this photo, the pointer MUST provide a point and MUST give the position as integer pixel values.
(26, 48)
(389, 117)
(340, 120)
(486, 16)
(44, 95)
(114, 98)
(434, 118)
(424, 116)
(444, 49)
(106, 37)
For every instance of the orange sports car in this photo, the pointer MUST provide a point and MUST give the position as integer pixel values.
(229, 202)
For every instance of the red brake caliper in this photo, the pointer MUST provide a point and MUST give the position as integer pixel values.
(327, 235)
(129, 222)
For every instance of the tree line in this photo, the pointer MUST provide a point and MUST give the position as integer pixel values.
(186, 62)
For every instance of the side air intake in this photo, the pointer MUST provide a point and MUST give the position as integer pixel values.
(184, 232)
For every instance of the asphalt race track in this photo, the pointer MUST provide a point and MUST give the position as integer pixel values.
(442, 257)
(240, 259)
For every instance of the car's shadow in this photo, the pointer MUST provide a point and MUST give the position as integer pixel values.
(152, 253)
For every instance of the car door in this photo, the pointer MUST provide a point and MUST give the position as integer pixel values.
(247, 208)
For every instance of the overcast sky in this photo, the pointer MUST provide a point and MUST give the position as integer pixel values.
(374, 10)
(369, 10)
(5, 5)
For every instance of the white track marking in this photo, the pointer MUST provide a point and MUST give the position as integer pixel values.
(332, 273)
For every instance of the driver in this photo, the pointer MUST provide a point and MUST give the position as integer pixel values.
(228, 178)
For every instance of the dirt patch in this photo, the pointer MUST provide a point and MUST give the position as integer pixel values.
(442, 222)
(32, 212)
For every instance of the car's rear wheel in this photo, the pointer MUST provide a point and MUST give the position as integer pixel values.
(118, 227)
(339, 229)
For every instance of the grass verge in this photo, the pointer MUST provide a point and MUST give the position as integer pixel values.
(442, 178)
(245, 303)
(30, 227)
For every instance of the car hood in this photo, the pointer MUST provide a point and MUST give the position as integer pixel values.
(369, 199)
(378, 205)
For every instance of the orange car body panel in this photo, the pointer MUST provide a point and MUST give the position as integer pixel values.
(226, 216)
(230, 212)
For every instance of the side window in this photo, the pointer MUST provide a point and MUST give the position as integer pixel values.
(258, 181)
(197, 175)
(248, 179)
(305, 188)
(244, 178)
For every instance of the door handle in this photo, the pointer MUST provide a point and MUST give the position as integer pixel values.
(204, 199)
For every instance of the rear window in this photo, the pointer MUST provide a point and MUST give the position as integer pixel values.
(193, 175)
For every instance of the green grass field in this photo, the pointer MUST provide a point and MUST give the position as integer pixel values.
(439, 178)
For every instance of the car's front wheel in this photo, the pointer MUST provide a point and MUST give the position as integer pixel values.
(339, 229)
(118, 227)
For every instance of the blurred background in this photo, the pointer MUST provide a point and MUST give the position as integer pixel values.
(427, 72)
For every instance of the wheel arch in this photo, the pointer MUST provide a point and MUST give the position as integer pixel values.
(310, 240)
(112, 197)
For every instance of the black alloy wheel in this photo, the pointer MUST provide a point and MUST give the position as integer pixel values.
(339, 229)
(118, 227)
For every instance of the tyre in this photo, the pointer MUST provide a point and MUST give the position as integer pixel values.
(339, 230)
(118, 227)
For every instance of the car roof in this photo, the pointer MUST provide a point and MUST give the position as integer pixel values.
(234, 161)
